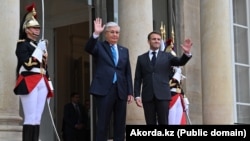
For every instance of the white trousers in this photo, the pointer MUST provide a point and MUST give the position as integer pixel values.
(34, 103)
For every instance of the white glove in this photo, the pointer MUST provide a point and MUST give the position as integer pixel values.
(177, 74)
(42, 45)
(177, 69)
(162, 48)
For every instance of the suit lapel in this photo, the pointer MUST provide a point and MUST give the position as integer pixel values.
(159, 56)
(108, 50)
(119, 49)
(148, 61)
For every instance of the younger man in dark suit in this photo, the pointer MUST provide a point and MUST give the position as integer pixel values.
(152, 72)
(75, 120)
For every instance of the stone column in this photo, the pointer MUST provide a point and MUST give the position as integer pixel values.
(135, 19)
(10, 129)
(216, 62)
(188, 14)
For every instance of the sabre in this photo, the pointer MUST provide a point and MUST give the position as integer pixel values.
(42, 20)
(43, 26)
(189, 120)
(186, 103)
(53, 123)
(48, 100)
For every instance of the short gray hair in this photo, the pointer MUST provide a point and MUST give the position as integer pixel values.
(111, 24)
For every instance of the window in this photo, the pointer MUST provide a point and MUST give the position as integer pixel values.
(241, 60)
(165, 20)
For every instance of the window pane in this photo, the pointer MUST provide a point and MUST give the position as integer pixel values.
(243, 114)
(241, 45)
(239, 12)
(242, 84)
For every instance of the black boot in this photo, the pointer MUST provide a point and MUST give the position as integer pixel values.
(28, 132)
(36, 132)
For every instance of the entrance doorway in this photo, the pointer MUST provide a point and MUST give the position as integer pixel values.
(72, 66)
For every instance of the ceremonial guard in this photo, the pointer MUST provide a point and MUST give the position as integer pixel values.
(33, 84)
(178, 106)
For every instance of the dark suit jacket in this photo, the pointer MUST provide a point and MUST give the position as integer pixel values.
(70, 119)
(105, 69)
(155, 79)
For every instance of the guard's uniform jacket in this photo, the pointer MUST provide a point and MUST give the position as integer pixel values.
(29, 70)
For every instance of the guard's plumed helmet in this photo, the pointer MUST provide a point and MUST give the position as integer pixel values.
(170, 46)
(30, 18)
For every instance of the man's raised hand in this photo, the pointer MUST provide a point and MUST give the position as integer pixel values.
(98, 26)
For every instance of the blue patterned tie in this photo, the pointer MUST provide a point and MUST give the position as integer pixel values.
(114, 54)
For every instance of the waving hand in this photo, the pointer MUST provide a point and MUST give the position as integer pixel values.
(98, 26)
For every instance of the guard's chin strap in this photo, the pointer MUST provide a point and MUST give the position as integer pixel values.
(51, 117)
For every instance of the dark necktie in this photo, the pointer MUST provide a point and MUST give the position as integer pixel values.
(78, 112)
(114, 55)
(153, 58)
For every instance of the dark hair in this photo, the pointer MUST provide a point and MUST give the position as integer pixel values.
(153, 32)
(74, 94)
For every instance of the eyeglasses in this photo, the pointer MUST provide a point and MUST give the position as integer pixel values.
(114, 32)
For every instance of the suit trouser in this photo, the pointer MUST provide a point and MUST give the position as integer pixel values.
(74, 135)
(156, 112)
(105, 106)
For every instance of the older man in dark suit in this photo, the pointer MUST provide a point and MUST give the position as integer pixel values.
(152, 72)
(112, 81)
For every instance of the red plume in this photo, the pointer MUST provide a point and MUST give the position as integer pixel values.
(30, 7)
(169, 41)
